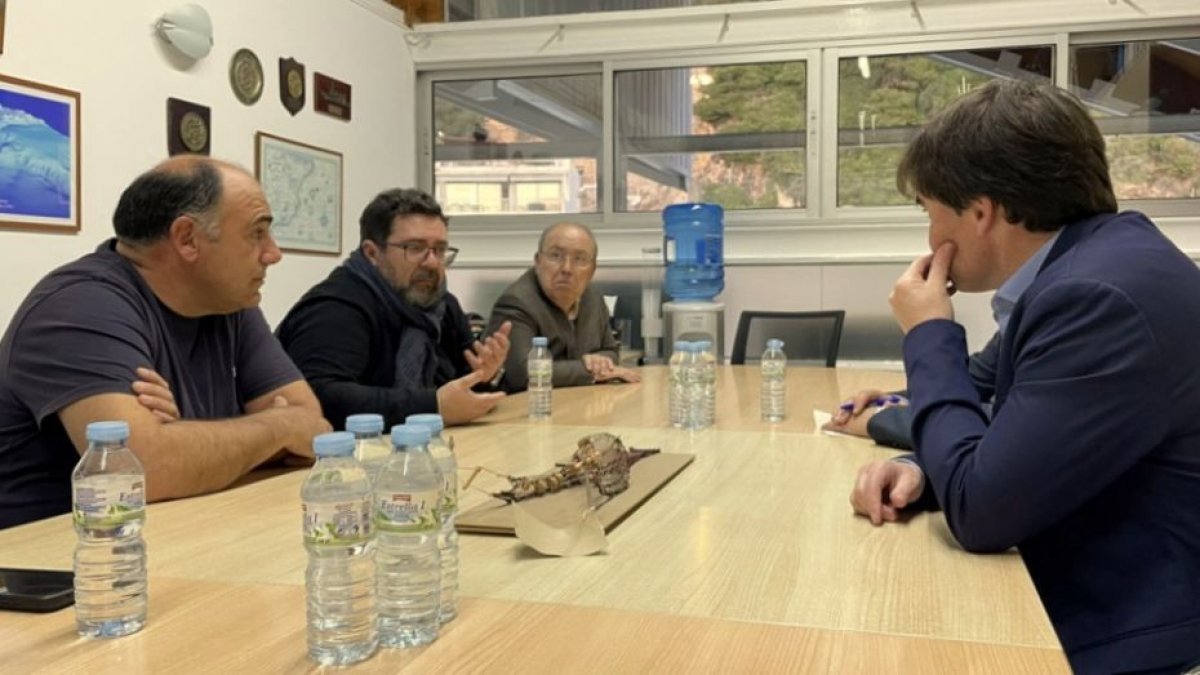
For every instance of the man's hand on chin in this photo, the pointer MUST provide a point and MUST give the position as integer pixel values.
(922, 292)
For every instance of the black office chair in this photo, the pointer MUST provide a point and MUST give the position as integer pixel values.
(808, 337)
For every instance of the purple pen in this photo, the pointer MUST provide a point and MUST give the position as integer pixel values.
(890, 399)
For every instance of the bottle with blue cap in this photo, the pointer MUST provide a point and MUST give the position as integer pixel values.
(541, 376)
(109, 494)
(370, 448)
(408, 566)
(774, 382)
(338, 534)
(441, 448)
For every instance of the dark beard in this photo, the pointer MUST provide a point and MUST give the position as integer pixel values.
(419, 297)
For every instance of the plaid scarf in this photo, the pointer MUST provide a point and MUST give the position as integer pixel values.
(417, 359)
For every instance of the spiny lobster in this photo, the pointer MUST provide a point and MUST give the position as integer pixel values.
(602, 457)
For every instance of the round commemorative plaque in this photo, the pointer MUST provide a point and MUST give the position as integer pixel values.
(246, 76)
(193, 132)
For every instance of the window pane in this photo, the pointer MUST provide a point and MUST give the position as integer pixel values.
(883, 100)
(469, 197)
(1145, 97)
(506, 133)
(734, 135)
(539, 197)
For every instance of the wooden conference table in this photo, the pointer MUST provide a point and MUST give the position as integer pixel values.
(748, 561)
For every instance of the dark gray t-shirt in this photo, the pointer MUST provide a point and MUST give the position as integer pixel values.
(83, 331)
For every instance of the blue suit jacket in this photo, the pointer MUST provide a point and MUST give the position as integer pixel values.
(1090, 463)
(892, 426)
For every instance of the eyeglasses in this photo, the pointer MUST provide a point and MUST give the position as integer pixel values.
(557, 257)
(415, 251)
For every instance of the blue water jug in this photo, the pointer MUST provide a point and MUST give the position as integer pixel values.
(692, 252)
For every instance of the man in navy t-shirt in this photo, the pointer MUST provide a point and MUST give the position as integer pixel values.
(172, 303)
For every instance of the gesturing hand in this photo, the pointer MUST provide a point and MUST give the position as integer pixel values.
(458, 404)
(923, 292)
(487, 356)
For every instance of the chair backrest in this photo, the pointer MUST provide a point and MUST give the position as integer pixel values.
(809, 337)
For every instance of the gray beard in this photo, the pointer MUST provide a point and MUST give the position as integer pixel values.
(422, 298)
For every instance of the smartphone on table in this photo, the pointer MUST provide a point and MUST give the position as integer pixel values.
(36, 590)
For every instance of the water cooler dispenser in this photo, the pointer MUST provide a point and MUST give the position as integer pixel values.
(695, 274)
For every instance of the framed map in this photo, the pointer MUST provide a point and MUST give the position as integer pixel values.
(39, 157)
(303, 185)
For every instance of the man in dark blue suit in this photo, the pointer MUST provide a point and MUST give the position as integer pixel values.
(1090, 461)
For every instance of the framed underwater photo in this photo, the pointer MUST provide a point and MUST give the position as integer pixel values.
(39, 158)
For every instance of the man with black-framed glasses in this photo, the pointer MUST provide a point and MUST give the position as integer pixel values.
(382, 335)
(554, 299)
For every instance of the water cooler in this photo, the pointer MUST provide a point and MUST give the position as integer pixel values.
(696, 320)
(695, 274)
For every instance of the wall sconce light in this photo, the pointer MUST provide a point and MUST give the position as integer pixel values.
(188, 29)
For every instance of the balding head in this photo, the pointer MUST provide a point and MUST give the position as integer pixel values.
(567, 227)
(188, 185)
(565, 263)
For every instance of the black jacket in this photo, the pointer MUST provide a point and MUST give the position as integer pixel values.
(344, 341)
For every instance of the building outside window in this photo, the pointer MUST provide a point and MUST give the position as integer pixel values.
(731, 134)
(517, 145)
(1145, 96)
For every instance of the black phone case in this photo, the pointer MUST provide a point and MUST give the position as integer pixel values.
(36, 590)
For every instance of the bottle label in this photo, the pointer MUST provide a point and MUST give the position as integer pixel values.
(407, 511)
(541, 372)
(104, 502)
(337, 523)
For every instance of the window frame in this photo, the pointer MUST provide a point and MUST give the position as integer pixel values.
(807, 55)
(1154, 208)
(830, 102)
(427, 180)
(821, 217)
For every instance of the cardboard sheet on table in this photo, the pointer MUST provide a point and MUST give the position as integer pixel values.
(645, 478)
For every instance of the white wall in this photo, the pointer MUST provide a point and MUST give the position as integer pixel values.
(109, 52)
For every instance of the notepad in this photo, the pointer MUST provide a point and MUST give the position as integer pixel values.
(820, 418)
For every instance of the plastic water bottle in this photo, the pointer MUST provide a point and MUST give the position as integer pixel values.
(442, 451)
(693, 251)
(109, 488)
(370, 449)
(692, 391)
(408, 567)
(541, 374)
(774, 382)
(676, 394)
(338, 533)
(708, 383)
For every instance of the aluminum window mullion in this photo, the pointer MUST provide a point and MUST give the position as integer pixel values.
(609, 182)
(814, 75)
(829, 132)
